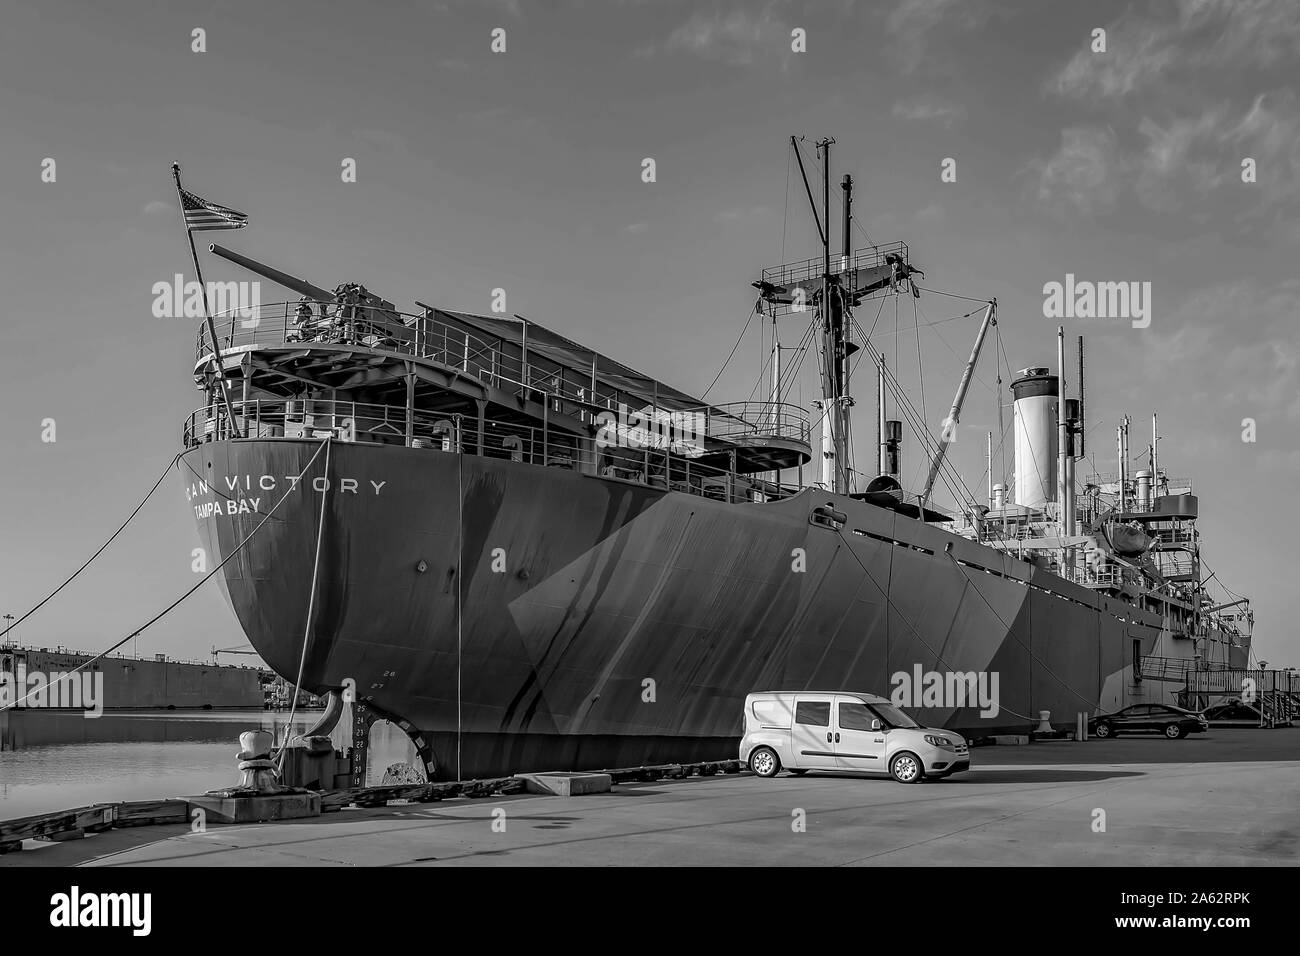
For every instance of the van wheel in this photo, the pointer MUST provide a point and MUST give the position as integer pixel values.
(764, 762)
(906, 768)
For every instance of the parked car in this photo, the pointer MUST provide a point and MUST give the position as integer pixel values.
(1232, 710)
(1173, 722)
(844, 731)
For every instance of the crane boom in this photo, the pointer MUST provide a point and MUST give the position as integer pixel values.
(950, 426)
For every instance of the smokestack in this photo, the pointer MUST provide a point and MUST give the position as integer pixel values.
(1143, 479)
(1034, 422)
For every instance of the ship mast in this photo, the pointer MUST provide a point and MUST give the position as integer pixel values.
(833, 290)
(835, 398)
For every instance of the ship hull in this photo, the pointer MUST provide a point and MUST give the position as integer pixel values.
(521, 618)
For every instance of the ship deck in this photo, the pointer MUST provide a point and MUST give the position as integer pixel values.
(1226, 798)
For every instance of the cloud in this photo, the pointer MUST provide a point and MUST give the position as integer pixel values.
(1187, 42)
(1275, 459)
(739, 213)
(912, 22)
(735, 38)
(636, 228)
(1239, 337)
(502, 116)
(930, 214)
(1204, 153)
(928, 108)
(382, 139)
(157, 207)
(1083, 175)
(1189, 164)
(1130, 60)
(1169, 159)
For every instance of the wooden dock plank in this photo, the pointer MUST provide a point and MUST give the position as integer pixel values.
(145, 813)
(90, 819)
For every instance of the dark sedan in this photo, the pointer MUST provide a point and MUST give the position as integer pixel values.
(1173, 722)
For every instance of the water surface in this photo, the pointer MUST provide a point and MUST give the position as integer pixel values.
(51, 760)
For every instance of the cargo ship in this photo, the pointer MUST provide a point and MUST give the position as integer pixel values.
(123, 682)
(532, 556)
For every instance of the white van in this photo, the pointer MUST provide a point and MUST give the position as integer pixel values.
(844, 730)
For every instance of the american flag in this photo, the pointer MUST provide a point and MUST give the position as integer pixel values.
(201, 215)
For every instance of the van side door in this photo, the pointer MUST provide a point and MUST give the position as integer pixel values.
(858, 747)
(812, 739)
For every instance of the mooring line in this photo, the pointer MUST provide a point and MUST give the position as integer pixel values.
(311, 605)
(170, 607)
(102, 547)
(460, 594)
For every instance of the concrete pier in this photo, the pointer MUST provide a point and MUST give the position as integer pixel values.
(1226, 798)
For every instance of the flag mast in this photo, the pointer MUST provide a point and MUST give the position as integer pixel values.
(207, 314)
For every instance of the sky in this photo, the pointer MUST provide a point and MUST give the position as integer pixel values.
(522, 170)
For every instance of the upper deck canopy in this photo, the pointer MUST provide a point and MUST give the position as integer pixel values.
(539, 340)
(522, 368)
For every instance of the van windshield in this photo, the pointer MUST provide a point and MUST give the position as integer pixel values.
(894, 717)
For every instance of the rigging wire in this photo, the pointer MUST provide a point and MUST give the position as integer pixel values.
(917, 424)
(840, 199)
(785, 211)
(920, 368)
(948, 345)
(952, 295)
(916, 632)
(1011, 633)
(805, 342)
(730, 355)
(1007, 362)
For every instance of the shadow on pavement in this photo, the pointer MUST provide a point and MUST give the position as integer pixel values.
(1220, 745)
(977, 775)
(1036, 775)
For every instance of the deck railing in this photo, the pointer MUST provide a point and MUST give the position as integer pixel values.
(421, 336)
(358, 422)
(742, 421)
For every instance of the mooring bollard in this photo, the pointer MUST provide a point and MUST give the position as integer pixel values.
(1044, 722)
(256, 768)
(259, 794)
